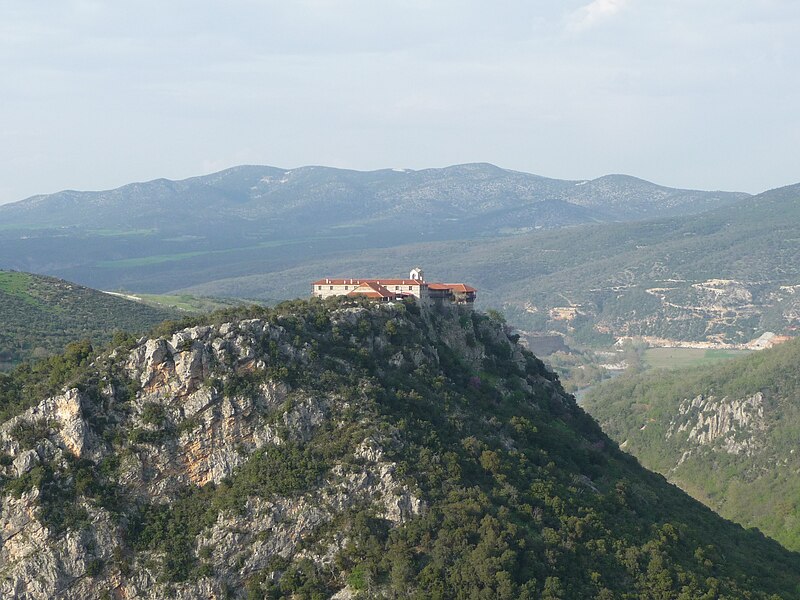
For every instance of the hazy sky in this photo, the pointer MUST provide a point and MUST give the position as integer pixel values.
(687, 93)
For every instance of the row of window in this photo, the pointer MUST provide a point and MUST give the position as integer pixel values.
(397, 287)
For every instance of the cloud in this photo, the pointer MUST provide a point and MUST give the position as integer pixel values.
(593, 13)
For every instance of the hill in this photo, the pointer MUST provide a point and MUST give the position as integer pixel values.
(725, 433)
(725, 276)
(40, 315)
(336, 448)
(250, 220)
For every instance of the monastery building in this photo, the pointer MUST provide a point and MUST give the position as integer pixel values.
(386, 290)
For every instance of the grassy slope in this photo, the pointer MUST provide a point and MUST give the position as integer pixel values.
(760, 490)
(40, 315)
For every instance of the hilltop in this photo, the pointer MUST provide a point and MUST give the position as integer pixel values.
(39, 315)
(725, 433)
(341, 447)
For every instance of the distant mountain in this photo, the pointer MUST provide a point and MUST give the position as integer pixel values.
(727, 434)
(40, 315)
(342, 449)
(162, 234)
(726, 275)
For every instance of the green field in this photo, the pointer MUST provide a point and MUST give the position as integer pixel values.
(189, 303)
(14, 283)
(18, 285)
(122, 232)
(682, 358)
(143, 261)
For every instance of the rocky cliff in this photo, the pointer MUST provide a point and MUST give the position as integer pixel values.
(331, 449)
(724, 424)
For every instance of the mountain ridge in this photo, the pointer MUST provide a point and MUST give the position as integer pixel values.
(162, 235)
(254, 184)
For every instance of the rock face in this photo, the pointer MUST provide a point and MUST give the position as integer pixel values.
(185, 429)
(722, 424)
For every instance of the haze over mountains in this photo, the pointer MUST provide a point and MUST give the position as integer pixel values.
(160, 235)
(338, 197)
(597, 259)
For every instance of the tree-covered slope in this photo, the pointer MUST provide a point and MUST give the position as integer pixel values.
(40, 315)
(343, 447)
(727, 434)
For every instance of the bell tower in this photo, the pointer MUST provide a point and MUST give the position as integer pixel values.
(417, 275)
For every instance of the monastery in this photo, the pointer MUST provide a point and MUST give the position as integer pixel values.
(386, 290)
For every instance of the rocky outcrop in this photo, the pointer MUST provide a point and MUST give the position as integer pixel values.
(722, 424)
(194, 420)
(62, 416)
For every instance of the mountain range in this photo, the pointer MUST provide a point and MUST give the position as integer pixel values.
(161, 235)
(593, 260)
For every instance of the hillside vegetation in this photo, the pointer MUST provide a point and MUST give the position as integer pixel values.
(726, 433)
(341, 446)
(40, 315)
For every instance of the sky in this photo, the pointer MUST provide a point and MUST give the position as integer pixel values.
(687, 93)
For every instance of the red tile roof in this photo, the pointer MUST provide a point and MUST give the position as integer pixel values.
(460, 287)
(354, 281)
(372, 290)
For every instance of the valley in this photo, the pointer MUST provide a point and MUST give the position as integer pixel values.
(723, 432)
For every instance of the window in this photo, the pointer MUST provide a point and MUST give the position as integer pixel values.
(397, 287)
(411, 287)
(331, 287)
(345, 287)
(319, 287)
